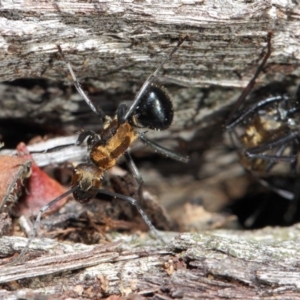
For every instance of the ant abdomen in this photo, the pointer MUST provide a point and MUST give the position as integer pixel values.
(155, 109)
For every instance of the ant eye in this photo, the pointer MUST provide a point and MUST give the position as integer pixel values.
(155, 110)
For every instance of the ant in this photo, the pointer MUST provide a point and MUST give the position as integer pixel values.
(271, 130)
(152, 108)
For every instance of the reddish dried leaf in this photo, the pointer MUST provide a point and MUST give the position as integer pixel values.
(41, 189)
(14, 170)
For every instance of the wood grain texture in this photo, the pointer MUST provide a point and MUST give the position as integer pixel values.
(122, 41)
(114, 46)
(120, 44)
(212, 265)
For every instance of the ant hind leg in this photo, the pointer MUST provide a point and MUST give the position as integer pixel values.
(101, 192)
(162, 150)
(136, 174)
(38, 221)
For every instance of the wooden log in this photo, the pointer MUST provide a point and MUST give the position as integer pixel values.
(209, 265)
(116, 45)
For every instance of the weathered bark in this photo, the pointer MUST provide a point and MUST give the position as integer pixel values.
(122, 43)
(117, 45)
(211, 265)
(125, 38)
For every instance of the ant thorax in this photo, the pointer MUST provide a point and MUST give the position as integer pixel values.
(115, 140)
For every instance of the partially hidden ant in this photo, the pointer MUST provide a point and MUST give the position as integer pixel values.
(152, 108)
(271, 130)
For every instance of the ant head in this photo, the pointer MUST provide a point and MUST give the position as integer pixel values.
(86, 176)
(155, 109)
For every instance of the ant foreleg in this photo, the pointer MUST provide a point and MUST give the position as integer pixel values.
(133, 202)
(283, 193)
(38, 220)
(256, 152)
(98, 111)
(272, 163)
(273, 158)
(255, 107)
(164, 151)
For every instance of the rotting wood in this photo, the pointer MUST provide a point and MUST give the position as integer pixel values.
(209, 265)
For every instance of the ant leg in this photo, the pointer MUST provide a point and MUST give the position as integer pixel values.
(292, 210)
(283, 193)
(150, 79)
(271, 163)
(255, 107)
(255, 152)
(254, 216)
(133, 202)
(251, 83)
(162, 150)
(91, 135)
(294, 165)
(38, 220)
(53, 149)
(234, 138)
(289, 158)
(136, 174)
(98, 111)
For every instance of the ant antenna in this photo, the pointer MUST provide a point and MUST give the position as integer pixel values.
(150, 80)
(251, 83)
(78, 86)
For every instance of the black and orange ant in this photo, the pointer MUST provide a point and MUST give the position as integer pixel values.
(270, 129)
(152, 108)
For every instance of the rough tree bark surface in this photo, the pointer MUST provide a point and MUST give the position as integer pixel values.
(212, 265)
(122, 43)
(115, 46)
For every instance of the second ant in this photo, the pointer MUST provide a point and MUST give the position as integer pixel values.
(267, 135)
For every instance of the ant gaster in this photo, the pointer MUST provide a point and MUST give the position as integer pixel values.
(152, 108)
(271, 129)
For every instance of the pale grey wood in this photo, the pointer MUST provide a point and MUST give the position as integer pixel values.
(120, 44)
(130, 38)
(218, 264)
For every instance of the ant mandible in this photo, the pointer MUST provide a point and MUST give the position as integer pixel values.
(152, 108)
(271, 128)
